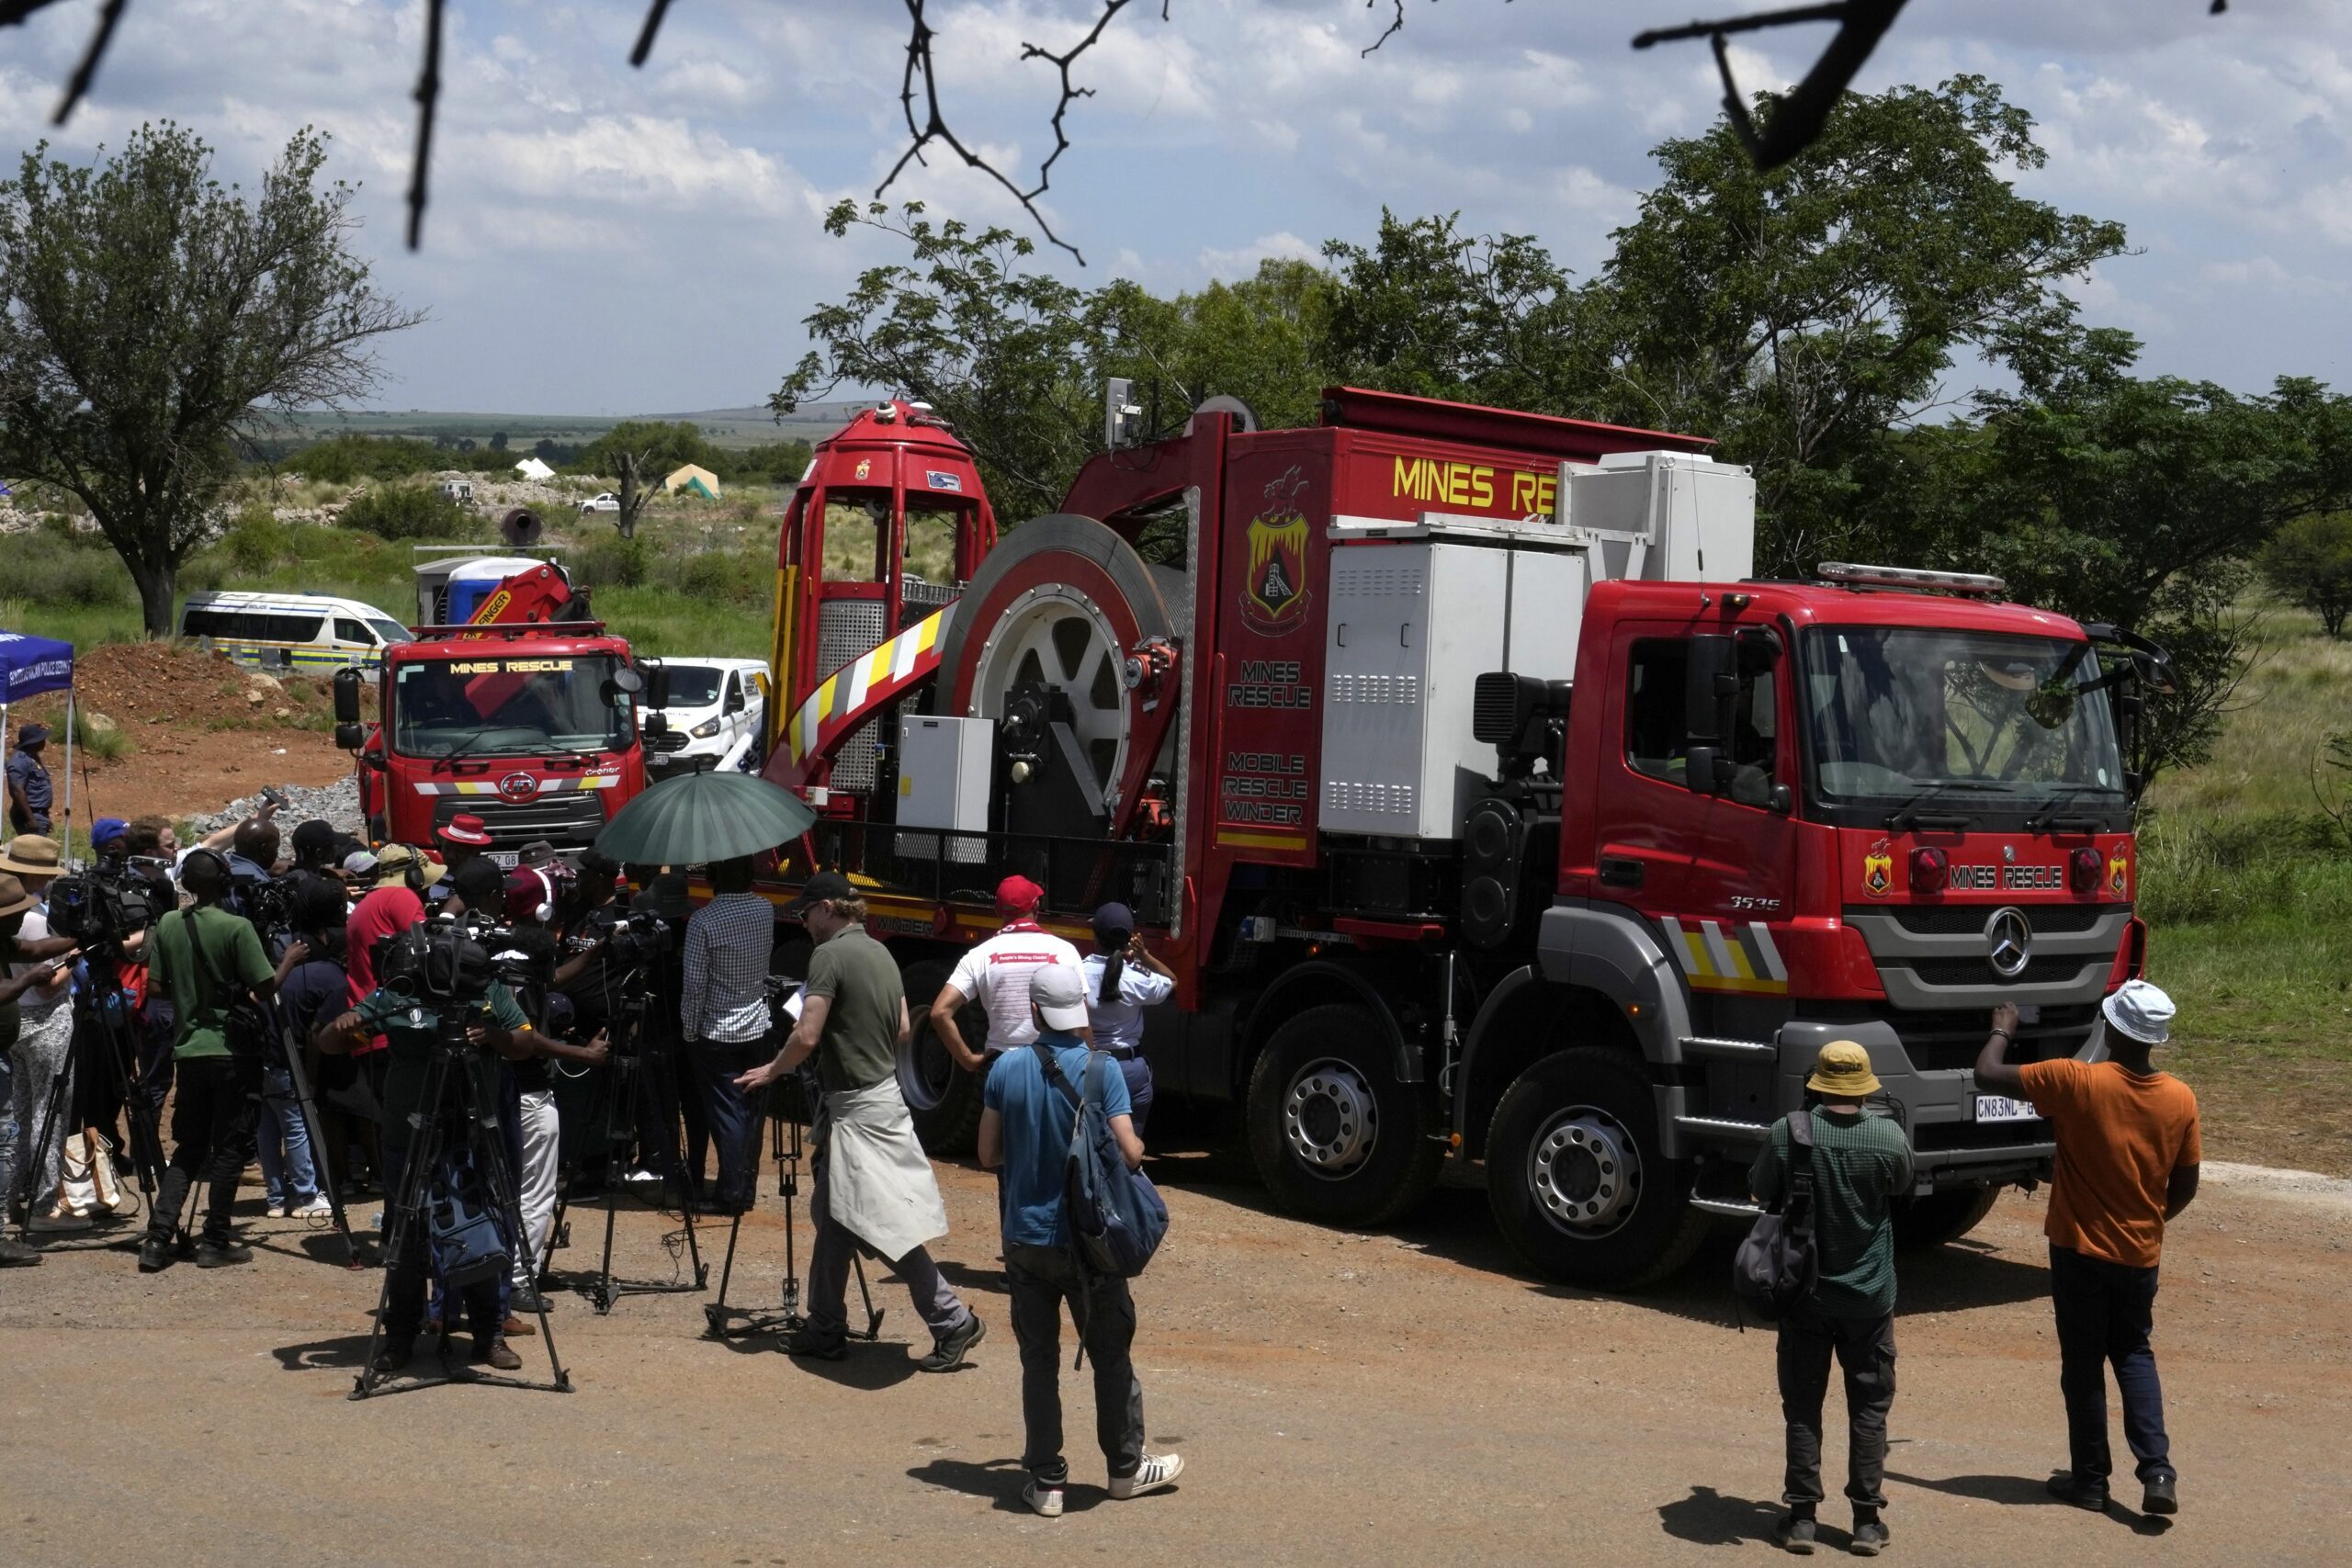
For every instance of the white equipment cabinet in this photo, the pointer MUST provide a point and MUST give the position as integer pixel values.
(1412, 626)
(943, 774)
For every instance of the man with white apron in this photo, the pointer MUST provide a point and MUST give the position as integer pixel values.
(874, 1184)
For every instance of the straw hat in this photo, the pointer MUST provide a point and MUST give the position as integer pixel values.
(29, 854)
(14, 899)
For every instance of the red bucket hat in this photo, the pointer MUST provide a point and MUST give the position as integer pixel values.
(467, 829)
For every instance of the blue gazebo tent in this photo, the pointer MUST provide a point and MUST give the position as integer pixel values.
(28, 667)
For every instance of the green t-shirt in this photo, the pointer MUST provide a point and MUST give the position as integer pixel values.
(410, 1032)
(231, 950)
(860, 981)
(1857, 1164)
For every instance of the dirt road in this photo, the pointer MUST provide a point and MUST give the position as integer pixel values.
(1339, 1398)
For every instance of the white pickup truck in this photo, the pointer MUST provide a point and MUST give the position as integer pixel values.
(603, 501)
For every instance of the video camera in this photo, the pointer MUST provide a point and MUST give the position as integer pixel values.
(643, 935)
(102, 906)
(443, 964)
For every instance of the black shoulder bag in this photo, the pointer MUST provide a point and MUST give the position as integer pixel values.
(1779, 1264)
(243, 1024)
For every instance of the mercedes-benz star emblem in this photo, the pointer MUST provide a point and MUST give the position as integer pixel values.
(2008, 942)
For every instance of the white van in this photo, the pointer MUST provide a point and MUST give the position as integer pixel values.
(717, 709)
(307, 633)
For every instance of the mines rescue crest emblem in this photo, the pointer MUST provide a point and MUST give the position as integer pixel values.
(2119, 873)
(1878, 870)
(1274, 594)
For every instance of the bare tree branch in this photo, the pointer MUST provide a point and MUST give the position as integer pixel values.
(1797, 119)
(428, 98)
(659, 9)
(87, 72)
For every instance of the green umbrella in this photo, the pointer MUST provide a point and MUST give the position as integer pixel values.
(694, 818)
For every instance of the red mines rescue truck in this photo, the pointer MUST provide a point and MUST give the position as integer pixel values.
(522, 712)
(1484, 805)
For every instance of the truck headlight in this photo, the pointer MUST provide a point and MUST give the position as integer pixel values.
(706, 730)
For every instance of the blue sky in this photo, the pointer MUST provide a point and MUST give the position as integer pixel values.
(606, 241)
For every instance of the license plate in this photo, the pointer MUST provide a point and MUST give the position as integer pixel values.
(2001, 1107)
(505, 860)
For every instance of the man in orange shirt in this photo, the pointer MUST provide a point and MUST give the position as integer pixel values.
(2128, 1154)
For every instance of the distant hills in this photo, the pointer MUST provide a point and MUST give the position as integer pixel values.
(736, 427)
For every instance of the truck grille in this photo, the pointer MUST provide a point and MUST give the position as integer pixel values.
(1945, 1041)
(1968, 920)
(847, 628)
(2055, 969)
(570, 821)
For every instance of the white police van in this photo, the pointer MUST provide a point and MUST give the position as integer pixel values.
(304, 633)
(717, 716)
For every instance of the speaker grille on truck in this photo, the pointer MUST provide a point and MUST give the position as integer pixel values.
(1494, 708)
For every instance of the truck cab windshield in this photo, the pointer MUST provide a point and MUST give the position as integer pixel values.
(1971, 721)
(493, 706)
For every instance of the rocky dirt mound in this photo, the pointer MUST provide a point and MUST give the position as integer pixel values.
(140, 684)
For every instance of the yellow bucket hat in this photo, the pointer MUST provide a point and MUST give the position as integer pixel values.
(1843, 1068)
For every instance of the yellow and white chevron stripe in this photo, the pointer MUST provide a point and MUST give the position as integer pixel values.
(1743, 961)
(842, 698)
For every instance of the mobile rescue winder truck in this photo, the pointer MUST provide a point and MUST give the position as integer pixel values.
(510, 704)
(1486, 807)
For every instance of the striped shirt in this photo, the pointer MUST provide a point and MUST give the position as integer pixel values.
(727, 969)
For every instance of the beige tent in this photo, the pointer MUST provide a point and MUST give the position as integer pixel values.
(700, 481)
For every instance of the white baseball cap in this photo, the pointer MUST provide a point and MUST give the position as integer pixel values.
(2141, 1011)
(1058, 992)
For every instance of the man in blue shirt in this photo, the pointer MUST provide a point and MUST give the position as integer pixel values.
(1025, 1136)
(28, 782)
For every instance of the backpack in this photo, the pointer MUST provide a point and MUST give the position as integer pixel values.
(464, 1225)
(1779, 1262)
(1114, 1217)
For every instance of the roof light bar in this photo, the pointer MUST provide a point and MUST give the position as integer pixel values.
(1968, 583)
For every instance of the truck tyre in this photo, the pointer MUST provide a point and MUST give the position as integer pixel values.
(1942, 1216)
(943, 1097)
(1576, 1179)
(1336, 1138)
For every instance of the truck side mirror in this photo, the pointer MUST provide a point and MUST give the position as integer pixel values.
(347, 703)
(350, 737)
(1711, 684)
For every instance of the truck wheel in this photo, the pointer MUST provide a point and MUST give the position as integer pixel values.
(944, 1099)
(1942, 1216)
(1576, 1179)
(1335, 1136)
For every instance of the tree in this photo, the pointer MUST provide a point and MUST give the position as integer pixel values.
(2309, 562)
(1800, 316)
(498, 441)
(637, 452)
(151, 316)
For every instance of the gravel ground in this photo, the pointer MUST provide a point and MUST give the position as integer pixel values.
(1339, 1398)
(338, 803)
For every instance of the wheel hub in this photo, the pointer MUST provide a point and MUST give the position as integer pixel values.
(1586, 1171)
(1330, 1119)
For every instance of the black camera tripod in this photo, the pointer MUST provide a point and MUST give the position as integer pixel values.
(634, 1100)
(784, 1144)
(105, 1004)
(437, 1125)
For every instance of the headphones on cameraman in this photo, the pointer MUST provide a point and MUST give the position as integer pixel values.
(413, 873)
(214, 856)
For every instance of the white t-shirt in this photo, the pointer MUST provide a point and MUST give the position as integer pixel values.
(1119, 1024)
(996, 974)
(38, 1003)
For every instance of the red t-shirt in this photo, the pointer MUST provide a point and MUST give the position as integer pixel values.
(385, 912)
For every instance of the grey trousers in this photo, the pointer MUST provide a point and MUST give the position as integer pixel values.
(1865, 1349)
(1040, 1279)
(830, 1252)
(44, 1048)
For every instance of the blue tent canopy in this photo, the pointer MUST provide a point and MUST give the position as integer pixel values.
(31, 665)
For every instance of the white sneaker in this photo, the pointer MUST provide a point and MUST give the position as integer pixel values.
(275, 1211)
(56, 1220)
(640, 1175)
(316, 1208)
(1156, 1471)
(1043, 1499)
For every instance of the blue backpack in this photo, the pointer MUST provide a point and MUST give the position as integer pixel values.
(464, 1227)
(1114, 1217)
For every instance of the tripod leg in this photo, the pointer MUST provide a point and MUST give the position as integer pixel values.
(402, 1212)
(32, 1161)
(488, 1146)
(320, 1158)
(873, 1314)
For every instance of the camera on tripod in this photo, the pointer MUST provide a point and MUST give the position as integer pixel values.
(638, 937)
(443, 964)
(103, 907)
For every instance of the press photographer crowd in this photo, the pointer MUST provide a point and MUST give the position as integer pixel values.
(479, 1045)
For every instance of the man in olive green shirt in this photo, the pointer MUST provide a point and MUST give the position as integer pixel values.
(1857, 1163)
(210, 963)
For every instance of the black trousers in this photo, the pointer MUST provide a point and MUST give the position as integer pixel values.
(2106, 1312)
(1040, 1279)
(212, 1136)
(404, 1299)
(1864, 1348)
